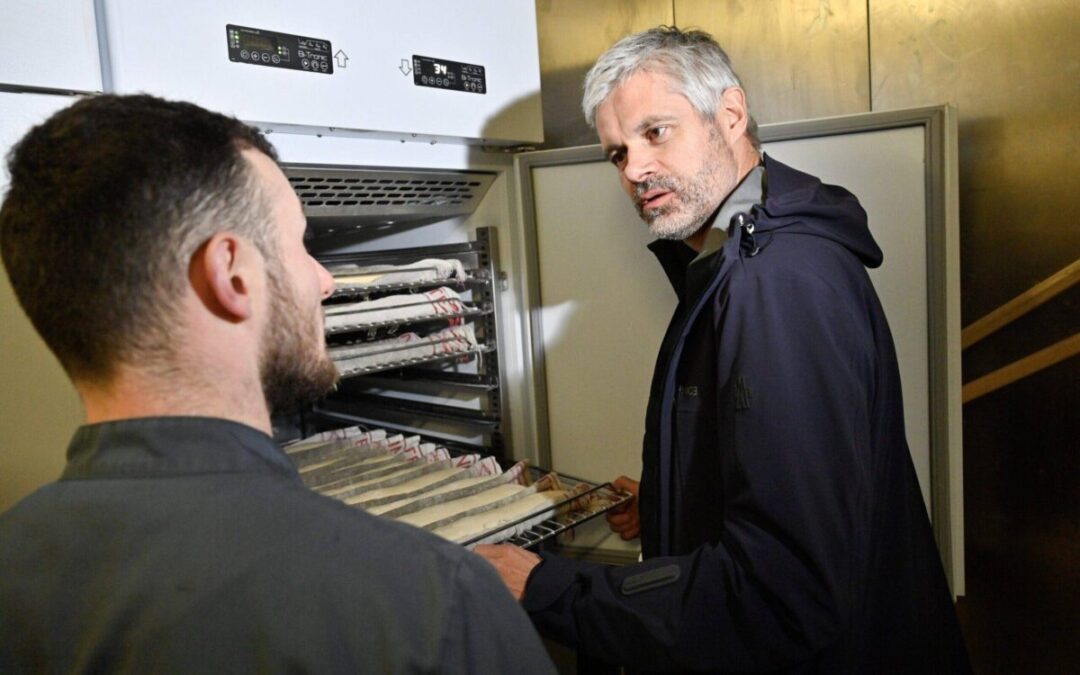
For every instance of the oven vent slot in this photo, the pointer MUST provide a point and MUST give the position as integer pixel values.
(381, 196)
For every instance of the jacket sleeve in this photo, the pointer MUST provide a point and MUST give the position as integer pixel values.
(485, 631)
(777, 587)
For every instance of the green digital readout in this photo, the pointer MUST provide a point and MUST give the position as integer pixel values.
(261, 43)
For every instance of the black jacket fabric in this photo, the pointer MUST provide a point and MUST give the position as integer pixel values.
(189, 545)
(783, 529)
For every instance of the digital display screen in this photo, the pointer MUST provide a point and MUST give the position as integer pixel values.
(262, 47)
(451, 75)
(259, 42)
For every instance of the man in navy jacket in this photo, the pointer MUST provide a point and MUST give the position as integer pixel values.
(781, 521)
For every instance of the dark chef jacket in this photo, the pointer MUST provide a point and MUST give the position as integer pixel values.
(782, 524)
(189, 545)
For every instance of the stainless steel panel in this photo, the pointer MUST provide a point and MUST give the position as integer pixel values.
(1011, 69)
(573, 34)
(798, 59)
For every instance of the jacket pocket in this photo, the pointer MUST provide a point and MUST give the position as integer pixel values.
(688, 419)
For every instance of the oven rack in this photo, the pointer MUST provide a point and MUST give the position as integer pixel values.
(375, 404)
(591, 500)
(455, 447)
(473, 278)
(468, 313)
(480, 380)
(587, 501)
(463, 357)
(428, 376)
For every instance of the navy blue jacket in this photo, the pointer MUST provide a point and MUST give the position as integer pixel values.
(782, 523)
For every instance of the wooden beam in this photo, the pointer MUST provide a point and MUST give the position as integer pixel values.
(1028, 365)
(1020, 305)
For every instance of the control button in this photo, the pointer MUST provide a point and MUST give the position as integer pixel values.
(265, 57)
(275, 58)
(323, 66)
(244, 54)
(305, 63)
(423, 78)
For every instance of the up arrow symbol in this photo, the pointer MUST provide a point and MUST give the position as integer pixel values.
(341, 58)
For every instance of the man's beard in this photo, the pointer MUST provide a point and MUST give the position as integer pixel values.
(695, 198)
(294, 367)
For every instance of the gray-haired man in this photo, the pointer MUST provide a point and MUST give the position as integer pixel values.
(781, 522)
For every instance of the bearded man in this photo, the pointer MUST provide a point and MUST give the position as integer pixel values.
(781, 522)
(158, 250)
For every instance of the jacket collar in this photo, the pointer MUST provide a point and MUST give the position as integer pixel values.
(171, 446)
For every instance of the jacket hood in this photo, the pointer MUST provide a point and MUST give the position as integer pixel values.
(795, 203)
(798, 203)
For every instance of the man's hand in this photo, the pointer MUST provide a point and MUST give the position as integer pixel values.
(624, 520)
(512, 563)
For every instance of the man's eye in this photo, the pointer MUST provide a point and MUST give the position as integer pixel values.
(656, 133)
(617, 158)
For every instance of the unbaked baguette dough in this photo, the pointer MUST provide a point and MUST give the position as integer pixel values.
(468, 527)
(408, 488)
(406, 469)
(445, 510)
(344, 463)
(450, 487)
(357, 474)
(352, 435)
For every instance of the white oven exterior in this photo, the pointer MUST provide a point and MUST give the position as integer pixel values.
(367, 87)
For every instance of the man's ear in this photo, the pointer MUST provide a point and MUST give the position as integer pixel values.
(732, 114)
(224, 272)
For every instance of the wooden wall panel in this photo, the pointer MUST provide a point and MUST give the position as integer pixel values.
(1012, 69)
(573, 34)
(798, 59)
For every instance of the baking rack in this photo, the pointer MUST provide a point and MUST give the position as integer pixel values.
(461, 356)
(477, 277)
(467, 313)
(588, 501)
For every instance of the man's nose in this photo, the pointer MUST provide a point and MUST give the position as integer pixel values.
(639, 166)
(326, 280)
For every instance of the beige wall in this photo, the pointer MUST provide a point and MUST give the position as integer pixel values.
(38, 406)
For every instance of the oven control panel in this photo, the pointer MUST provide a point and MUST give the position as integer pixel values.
(260, 47)
(445, 74)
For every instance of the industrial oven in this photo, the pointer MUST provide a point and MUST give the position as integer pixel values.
(397, 124)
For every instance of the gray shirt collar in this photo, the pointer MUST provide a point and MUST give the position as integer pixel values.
(745, 195)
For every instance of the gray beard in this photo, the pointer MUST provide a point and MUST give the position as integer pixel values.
(695, 197)
(683, 215)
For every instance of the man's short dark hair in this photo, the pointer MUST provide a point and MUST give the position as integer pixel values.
(108, 201)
